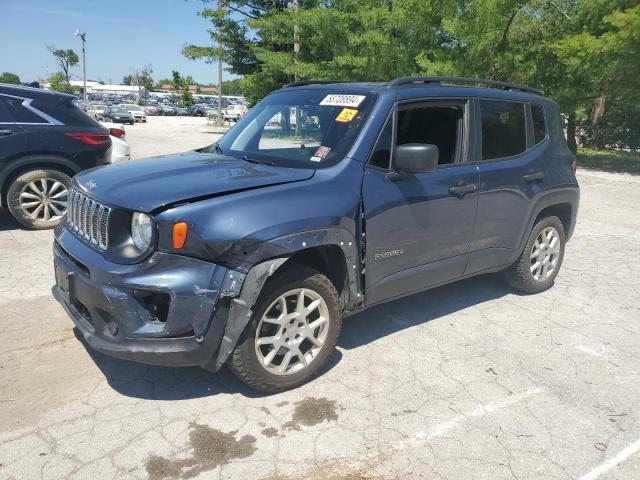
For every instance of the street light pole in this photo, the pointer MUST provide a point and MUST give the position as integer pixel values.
(220, 120)
(82, 36)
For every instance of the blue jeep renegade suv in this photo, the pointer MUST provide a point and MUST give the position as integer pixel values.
(326, 198)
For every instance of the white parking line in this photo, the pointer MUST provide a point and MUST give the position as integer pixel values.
(591, 351)
(457, 421)
(612, 462)
(423, 437)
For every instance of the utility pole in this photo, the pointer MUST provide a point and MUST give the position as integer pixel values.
(82, 36)
(296, 51)
(296, 40)
(220, 120)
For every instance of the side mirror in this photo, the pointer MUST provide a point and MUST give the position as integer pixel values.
(416, 158)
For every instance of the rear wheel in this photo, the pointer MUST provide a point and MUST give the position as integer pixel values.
(291, 334)
(38, 198)
(540, 261)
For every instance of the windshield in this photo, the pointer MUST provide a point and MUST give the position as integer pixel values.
(133, 107)
(298, 128)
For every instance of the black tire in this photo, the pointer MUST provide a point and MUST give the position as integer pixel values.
(244, 362)
(519, 275)
(16, 187)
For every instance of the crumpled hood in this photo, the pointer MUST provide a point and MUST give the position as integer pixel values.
(149, 184)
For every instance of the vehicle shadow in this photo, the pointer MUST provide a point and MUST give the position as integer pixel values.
(152, 382)
(7, 222)
(164, 383)
(417, 309)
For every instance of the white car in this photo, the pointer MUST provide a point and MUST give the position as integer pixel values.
(96, 110)
(137, 111)
(234, 112)
(120, 150)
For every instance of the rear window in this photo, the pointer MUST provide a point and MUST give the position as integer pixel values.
(503, 129)
(70, 114)
(539, 126)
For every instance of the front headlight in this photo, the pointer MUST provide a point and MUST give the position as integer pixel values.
(141, 231)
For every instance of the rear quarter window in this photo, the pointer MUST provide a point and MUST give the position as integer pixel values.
(503, 129)
(539, 124)
(18, 112)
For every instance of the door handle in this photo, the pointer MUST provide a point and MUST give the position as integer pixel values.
(461, 189)
(5, 132)
(534, 177)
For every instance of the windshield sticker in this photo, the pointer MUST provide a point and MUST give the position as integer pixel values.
(346, 115)
(320, 154)
(342, 100)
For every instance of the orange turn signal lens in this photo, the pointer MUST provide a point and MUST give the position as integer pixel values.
(180, 230)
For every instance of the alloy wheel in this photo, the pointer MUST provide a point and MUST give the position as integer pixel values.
(545, 253)
(292, 331)
(44, 199)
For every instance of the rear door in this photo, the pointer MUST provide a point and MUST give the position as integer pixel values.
(418, 226)
(13, 137)
(512, 175)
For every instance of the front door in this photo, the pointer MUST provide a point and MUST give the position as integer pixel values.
(418, 226)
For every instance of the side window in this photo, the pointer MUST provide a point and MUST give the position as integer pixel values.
(19, 113)
(381, 156)
(437, 125)
(4, 112)
(503, 129)
(539, 126)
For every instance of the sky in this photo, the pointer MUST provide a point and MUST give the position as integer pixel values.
(121, 36)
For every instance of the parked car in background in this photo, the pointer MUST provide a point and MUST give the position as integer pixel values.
(166, 110)
(197, 110)
(45, 139)
(150, 110)
(251, 251)
(181, 111)
(137, 111)
(120, 150)
(117, 114)
(212, 113)
(96, 111)
(234, 112)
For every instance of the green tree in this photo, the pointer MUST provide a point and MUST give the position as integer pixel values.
(127, 79)
(58, 83)
(582, 53)
(8, 77)
(65, 59)
(181, 85)
(232, 87)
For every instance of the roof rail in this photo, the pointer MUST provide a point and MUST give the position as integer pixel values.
(313, 82)
(402, 81)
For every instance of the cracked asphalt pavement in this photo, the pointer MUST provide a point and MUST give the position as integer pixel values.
(469, 380)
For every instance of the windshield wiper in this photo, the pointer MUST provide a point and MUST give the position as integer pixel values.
(246, 158)
(216, 148)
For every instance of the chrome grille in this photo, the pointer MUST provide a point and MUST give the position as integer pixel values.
(88, 219)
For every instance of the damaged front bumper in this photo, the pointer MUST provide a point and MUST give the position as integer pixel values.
(168, 310)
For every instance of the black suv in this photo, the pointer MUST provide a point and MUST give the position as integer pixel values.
(45, 139)
(327, 198)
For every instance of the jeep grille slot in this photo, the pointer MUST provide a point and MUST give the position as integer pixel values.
(88, 219)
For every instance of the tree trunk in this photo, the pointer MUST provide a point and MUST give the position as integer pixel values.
(571, 133)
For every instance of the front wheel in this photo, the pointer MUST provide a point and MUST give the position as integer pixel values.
(540, 261)
(38, 198)
(291, 334)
